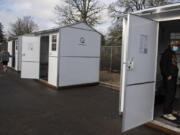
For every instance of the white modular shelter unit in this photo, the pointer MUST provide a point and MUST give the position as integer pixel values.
(64, 56)
(145, 35)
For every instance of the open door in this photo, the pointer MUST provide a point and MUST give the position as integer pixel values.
(13, 54)
(30, 57)
(139, 63)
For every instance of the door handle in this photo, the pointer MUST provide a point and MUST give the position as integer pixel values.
(130, 64)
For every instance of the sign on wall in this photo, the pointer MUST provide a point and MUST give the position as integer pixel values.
(143, 44)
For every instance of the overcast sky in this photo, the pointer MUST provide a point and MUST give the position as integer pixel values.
(40, 10)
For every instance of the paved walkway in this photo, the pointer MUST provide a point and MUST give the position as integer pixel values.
(30, 108)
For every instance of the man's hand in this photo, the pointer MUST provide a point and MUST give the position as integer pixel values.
(169, 77)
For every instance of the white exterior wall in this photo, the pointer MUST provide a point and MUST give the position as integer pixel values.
(79, 62)
(53, 61)
(10, 52)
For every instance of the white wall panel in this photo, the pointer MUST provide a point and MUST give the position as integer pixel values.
(74, 71)
(77, 42)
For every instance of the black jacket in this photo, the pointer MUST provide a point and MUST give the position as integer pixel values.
(168, 65)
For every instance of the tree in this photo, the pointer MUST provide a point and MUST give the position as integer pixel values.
(122, 7)
(87, 11)
(23, 26)
(2, 37)
(114, 37)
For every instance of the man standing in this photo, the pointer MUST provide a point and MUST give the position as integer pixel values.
(169, 71)
(4, 58)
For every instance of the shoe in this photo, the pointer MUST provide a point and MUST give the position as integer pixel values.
(169, 117)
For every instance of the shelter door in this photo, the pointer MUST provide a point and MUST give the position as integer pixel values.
(30, 57)
(140, 71)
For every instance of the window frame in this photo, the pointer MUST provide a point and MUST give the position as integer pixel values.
(54, 42)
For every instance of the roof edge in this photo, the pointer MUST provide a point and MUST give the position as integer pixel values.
(156, 8)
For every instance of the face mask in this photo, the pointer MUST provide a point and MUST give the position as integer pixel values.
(175, 48)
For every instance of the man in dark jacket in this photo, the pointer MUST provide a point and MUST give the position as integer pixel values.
(169, 71)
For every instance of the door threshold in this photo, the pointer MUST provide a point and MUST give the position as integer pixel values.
(164, 127)
(78, 85)
(12, 68)
(46, 83)
(43, 80)
(108, 85)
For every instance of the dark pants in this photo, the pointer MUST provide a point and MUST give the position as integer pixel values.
(170, 93)
(5, 63)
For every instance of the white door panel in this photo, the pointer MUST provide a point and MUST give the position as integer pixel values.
(10, 52)
(138, 105)
(30, 57)
(30, 49)
(143, 62)
(139, 66)
(52, 70)
(16, 56)
(30, 70)
(20, 52)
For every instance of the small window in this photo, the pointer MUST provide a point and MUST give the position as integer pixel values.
(54, 38)
(54, 42)
(53, 47)
(16, 44)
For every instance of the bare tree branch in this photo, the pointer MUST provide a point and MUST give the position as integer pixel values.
(88, 11)
(23, 26)
(122, 7)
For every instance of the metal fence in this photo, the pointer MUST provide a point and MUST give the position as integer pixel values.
(110, 65)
